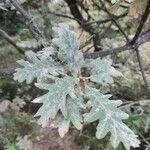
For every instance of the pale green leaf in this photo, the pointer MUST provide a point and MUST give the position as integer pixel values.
(101, 71)
(58, 70)
(36, 67)
(46, 53)
(55, 99)
(74, 116)
(110, 119)
(68, 46)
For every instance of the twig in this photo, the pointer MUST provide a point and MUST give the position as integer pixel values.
(32, 25)
(87, 42)
(80, 34)
(85, 9)
(113, 19)
(139, 30)
(141, 68)
(146, 141)
(62, 15)
(75, 11)
(106, 20)
(142, 39)
(88, 23)
(98, 22)
(142, 22)
(4, 35)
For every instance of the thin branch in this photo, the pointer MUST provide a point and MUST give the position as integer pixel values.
(106, 20)
(123, 6)
(142, 22)
(87, 42)
(72, 4)
(62, 15)
(139, 30)
(144, 139)
(142, 39)
(85, 9)
(32, 25)
(113, 19)
(98, 22)
(141, 68)
(9, 39)
(88, 23)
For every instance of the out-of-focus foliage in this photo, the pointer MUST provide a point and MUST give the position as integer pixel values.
(14, 124)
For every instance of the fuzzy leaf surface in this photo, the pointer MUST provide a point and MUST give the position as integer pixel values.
(102, 71)
(36, 67)
(74, 116)
(55, 99)
(110, 119)
(68, 46)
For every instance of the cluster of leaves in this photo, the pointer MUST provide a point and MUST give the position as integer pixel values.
(62, 71)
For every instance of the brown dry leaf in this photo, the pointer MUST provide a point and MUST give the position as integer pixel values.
(4, 105)
(137, 8)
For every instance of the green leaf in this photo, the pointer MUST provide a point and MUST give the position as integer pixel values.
(102, 71)
(55, 99)
(74, 116)
(68, 46)
(37, 67)
(110, 119)
(58, 70)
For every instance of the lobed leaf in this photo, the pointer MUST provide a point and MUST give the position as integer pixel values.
(55, 99)
(110, 119)
(38, 68)
(74, 116)
(68, 46)
(101, 71)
